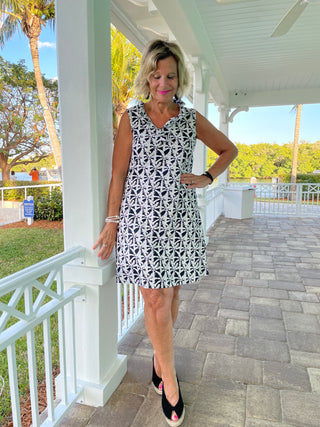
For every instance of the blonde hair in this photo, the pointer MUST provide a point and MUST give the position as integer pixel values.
(154, 52)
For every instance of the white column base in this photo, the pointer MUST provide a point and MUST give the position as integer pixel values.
(98, 394)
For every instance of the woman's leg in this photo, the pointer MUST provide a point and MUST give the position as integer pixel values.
(175, 304)
(161, 310)
(174, 314)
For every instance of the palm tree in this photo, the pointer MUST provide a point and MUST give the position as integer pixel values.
(296, 143)
(31, 16)
(125, 60)
(296, 108)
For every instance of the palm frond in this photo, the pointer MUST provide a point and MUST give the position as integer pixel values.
(10, 5)
(125, 65)
(9, 27)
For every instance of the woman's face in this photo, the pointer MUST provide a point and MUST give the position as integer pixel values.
(163, 82)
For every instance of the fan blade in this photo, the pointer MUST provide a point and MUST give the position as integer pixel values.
(232, 1)
(290, 18)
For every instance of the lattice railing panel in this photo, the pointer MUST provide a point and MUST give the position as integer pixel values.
(31, 301)
(25, 302)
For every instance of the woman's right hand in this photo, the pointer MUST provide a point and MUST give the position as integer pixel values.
(107, 240)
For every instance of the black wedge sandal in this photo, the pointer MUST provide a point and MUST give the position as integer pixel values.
(156, 381)
(178, 409)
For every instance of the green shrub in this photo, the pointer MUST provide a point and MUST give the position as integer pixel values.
(49, 207)
(308, 178)
(304, 178)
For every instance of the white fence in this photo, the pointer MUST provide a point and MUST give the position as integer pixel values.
(287, 199)
(28, 304)
(26, 188)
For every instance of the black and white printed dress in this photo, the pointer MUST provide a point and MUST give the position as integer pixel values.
(160, 239)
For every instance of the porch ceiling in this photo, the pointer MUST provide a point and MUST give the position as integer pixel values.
(233, 41)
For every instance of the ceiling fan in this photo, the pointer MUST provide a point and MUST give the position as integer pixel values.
(287, 20)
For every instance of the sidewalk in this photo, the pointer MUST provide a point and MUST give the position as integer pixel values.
(247, 338)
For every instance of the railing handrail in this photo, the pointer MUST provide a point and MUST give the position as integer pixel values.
(20, 328)
(26, 187)
(18, 187)
(245, 184)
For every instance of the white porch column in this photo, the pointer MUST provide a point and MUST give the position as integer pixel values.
(225, 119)
(200, 103)
(84, 68)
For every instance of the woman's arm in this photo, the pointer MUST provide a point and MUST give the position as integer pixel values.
(120, 164)
(220, 144)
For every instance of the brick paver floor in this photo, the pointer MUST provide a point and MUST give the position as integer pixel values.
(247, 338)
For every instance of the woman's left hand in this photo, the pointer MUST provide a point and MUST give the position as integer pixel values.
(194, 181)
(107, 240)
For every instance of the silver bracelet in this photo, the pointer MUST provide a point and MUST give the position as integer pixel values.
(113, 218)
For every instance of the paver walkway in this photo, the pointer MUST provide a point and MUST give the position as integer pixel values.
(247, 339)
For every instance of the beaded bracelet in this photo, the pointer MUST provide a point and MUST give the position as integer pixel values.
(208, 174)
(113, 218)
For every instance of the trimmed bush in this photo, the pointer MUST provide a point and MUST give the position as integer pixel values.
(304, 178)
(49, 207)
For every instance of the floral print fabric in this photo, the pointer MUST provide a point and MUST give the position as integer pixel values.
(160, 239)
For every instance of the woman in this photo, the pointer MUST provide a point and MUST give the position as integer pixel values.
(152, 207)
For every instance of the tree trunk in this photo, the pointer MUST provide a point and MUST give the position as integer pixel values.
(43, 101)
(5, 170)
(295, 152)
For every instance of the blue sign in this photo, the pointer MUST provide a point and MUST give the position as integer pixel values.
(28, 208)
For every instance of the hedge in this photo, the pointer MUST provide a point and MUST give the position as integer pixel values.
(304, 178)
(49, 207)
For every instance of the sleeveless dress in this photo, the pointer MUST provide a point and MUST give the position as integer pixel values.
(160, 241)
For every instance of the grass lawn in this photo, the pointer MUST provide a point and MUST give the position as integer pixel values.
(20, 248)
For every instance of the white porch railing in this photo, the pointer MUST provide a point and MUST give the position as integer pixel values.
(287, 199)
(39, 302)
(130, 307)
(213, 204)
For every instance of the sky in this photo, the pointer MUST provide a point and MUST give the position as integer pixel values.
(260, 124)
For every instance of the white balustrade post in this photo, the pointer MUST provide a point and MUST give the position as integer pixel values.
(299, 198)
(84, 73)
(200, 103)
